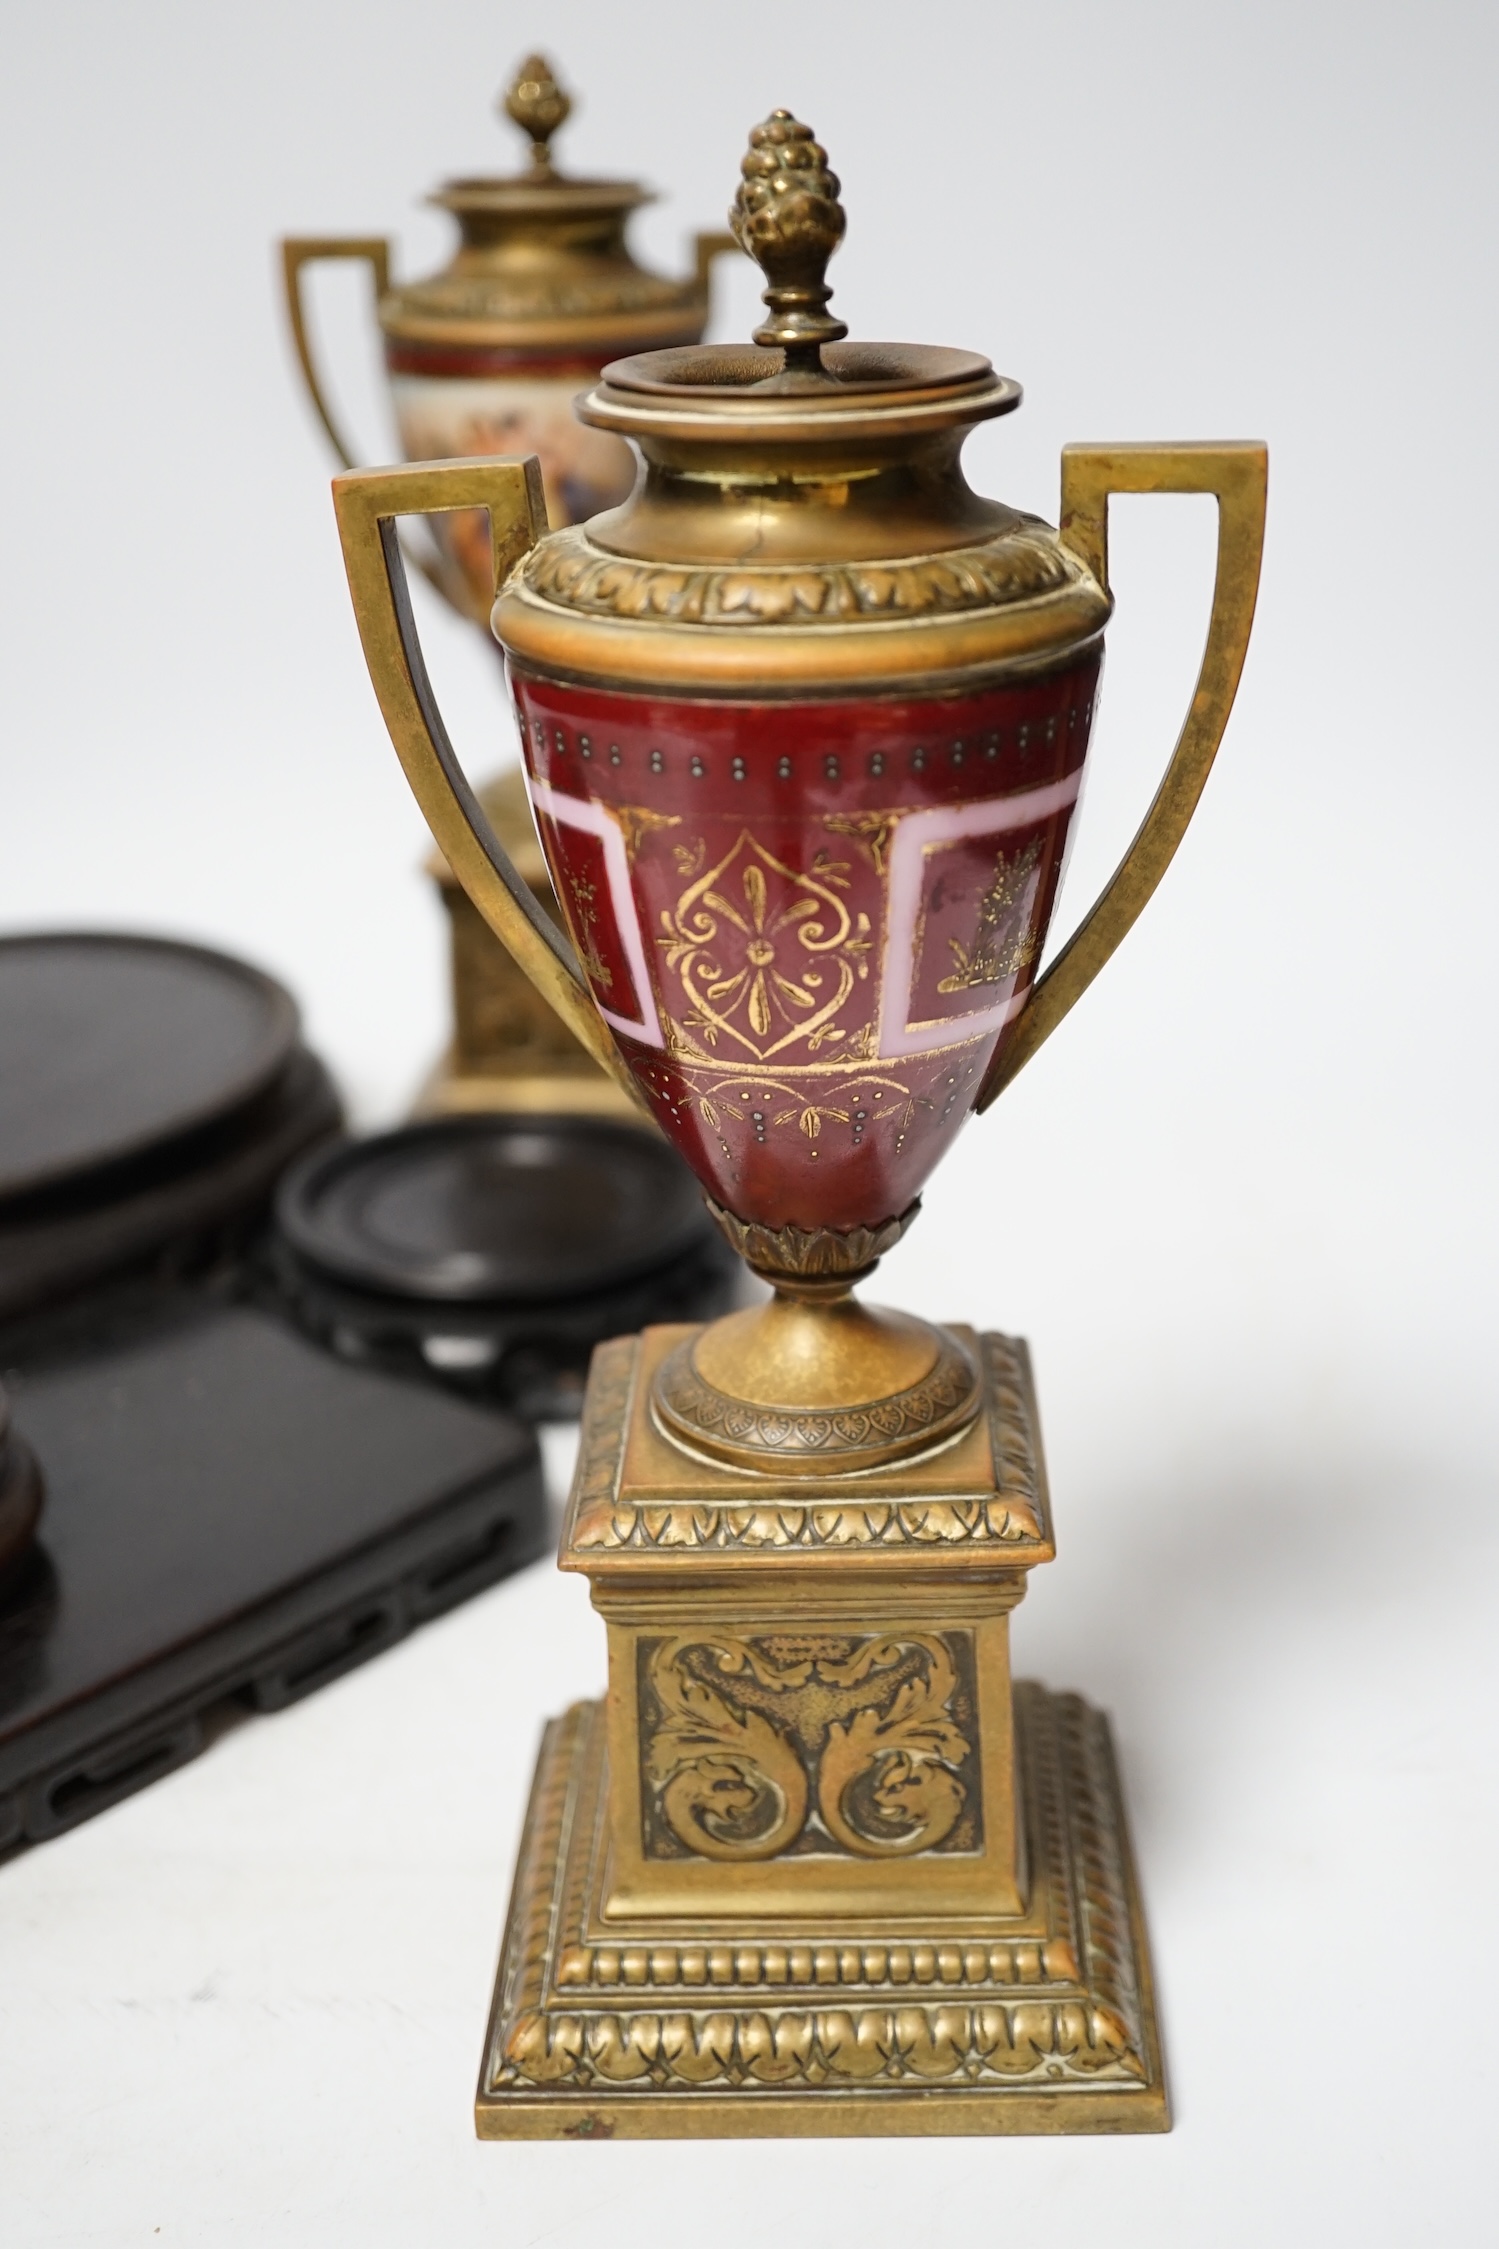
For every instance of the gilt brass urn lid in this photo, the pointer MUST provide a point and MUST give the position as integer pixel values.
(804, 522)
(542, 258)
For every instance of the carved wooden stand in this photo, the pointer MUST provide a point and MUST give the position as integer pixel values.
(815, 1867)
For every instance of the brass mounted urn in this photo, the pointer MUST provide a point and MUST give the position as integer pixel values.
(488, 355)
(805, 722)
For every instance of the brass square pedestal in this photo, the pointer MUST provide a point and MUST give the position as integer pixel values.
(815, 1867)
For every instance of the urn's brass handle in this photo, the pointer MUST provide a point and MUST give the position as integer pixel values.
(368, 503)
(299, 252)
(707, 247)
(1236, 475)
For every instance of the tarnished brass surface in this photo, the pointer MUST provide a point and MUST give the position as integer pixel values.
(1236, 475)
(815, 1867)
(542, 261)
(297, 253)
(805, 485)
(788, 217)
(867, 2022)
(449, 1092)
(536, 103)
(810, 1253)
(639, 1501)
(369, 504)
(777, 1351)
(540, 291)
(796, 1746)
(800, 543)
(816, 1383)
(543, 258)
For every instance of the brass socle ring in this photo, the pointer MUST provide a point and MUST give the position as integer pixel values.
(814, 1383)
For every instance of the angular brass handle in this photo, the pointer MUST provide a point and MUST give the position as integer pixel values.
(368, 503)
(707, 247)
(1236, 475)
(299, 252)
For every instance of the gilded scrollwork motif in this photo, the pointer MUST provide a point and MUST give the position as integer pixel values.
(728, 1783)
(766, 956)
(754, 1747)
(752, 2010)
(637, 821)
(872, 830)
(888, 1779)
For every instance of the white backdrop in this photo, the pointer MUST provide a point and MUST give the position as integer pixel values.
(1242, 1205)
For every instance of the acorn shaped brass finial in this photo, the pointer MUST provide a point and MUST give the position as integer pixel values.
(538, 105)
(787, 216)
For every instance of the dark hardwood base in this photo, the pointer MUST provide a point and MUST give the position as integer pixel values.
(233, 1518)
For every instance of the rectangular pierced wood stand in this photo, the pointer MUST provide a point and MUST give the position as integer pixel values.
(815, 1867)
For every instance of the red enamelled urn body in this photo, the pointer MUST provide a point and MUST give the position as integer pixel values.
(805, 724)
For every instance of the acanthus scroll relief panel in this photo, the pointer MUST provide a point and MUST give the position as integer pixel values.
(808, 1743)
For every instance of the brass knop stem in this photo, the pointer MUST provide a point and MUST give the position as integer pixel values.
(788, 218)
(538, 105)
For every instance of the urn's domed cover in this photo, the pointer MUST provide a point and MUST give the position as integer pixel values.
(542, 254)
(803, 521)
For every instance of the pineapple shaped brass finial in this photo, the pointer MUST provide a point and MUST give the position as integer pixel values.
(538, 105)
(788, 217)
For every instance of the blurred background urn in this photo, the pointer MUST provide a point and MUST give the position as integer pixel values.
(488, 356)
